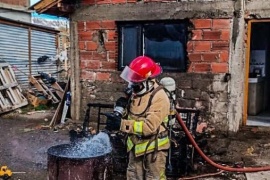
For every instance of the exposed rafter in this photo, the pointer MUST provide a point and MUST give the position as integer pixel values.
(54, 7)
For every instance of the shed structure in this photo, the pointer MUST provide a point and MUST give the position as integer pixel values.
(22, 44)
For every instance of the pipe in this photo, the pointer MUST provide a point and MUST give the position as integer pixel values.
(225, 168)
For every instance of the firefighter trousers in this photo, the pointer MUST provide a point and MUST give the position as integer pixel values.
(154, 170)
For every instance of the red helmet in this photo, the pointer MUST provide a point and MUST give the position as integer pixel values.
(140, 69)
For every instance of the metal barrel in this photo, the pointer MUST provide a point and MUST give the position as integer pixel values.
(63, 167)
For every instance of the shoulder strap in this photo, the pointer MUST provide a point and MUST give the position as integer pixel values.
(149, 102)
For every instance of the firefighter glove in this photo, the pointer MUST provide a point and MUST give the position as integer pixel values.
(113, 121)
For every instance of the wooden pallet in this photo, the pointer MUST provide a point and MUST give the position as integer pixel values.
(46, 90)
(11, 96)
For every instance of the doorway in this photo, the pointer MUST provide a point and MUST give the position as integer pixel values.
(258, 98)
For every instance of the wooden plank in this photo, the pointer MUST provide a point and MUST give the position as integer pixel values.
(44, 4)
(37, 85)
(59, 91)
(57, 115)
(54, 98)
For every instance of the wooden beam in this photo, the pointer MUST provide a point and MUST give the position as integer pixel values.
(43, 4)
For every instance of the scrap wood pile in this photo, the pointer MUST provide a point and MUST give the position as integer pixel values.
(45, 90)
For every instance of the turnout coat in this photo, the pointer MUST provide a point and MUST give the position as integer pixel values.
(146, 122)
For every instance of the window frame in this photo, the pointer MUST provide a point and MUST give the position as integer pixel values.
(141, 43)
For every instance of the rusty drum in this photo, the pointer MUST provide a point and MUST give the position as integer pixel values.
(84, 160)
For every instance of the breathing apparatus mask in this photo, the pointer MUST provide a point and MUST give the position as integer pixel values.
(139, 88)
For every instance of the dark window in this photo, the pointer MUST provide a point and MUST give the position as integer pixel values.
(165, 42)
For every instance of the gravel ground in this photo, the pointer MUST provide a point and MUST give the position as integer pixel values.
(24, 144)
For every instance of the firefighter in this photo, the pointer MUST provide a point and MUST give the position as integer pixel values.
(145, 121)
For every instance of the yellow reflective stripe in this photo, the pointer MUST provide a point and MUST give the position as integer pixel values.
(129, 144)
(166, 119)
(138, 127)
(140, 148)
(162, 175)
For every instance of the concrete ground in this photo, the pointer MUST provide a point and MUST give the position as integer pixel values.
(258, 175)
(24, 143)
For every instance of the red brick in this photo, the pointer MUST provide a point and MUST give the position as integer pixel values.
(88, 75)
(219, 67)
(118, 1)
(99, 56)
(81, 26)
(84, 36)
(159, 0)
(110, 46)
(220, 45)
(195, 57)
(89, 2)
(211, 35)
(221, 24)
(202, 67)
(103, 1)
(85, 55)
(108, 24)
(131, 1)
(92, 25)
(83, 64)
(210, 57)
(103, 76)
(190, 67)
(190, 46)
(93, 64)
(16, 2)
(225, 35)
(202, 23)
(81, 45)
(111, 35)
(224, 56)
(202, 46)
(197, 35)
(108, 65)
(112, 55)
(90, 46)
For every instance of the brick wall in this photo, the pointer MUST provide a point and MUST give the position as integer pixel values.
(203, 83)
(98, 50)
(204, 86)
(121, 1)
(208, 51)
(24, 3)
(89, 2)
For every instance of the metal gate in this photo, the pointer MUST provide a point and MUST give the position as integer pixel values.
(16, 50)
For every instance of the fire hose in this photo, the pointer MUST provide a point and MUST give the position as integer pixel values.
(211, 162)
